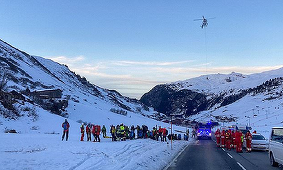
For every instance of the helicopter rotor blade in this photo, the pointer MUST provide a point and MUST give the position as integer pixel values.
(197, 19)
(211, 18)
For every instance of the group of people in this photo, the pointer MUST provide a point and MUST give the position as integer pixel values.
(231, 139)
(122, 132)
(95, 130)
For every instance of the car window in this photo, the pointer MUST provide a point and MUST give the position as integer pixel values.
(258, 137)
(277, 135)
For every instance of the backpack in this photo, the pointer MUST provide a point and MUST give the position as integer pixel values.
(65, 125)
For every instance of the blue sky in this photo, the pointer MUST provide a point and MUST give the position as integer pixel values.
(131, 46)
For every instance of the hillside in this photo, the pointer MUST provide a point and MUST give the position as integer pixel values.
(191, 96)
(31, 85)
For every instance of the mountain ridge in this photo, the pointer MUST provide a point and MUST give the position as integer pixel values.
(218, 90)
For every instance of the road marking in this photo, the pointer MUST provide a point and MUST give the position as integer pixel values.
(223, 149)
(241, 166)
(175, 159)
(230, 155)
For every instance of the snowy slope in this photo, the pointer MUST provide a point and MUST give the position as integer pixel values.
(37, 143)
(218, 83)
(86, 101)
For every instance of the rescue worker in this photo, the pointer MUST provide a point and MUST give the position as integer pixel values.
(132, 132)
(122, 131)
(82, 132)
(159, 133)
(238, 140)
(217, 135)
(233, 143)
(138, 131)
(103, 131)
(65, 126)
(118, 132)
(228, 139)
(188, 132)
(154, 133)
(113, 133)
(222, 136)
(194, 133)
(127, 132)
(248, 137)
(88, 132)
(96, 132)
(164, 134)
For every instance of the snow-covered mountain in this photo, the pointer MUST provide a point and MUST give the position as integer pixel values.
(210, 91)
(226, 83)
(255, 99)
(31, 85)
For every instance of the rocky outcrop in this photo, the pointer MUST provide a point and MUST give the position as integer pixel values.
(167, 100)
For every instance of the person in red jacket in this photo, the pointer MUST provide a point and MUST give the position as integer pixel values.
(159, 134)
(82, 132)
(248, 137)
(238, 140)
(217, 136)
(65, 126)
(164, 134)
(96, 132)
(222, 139)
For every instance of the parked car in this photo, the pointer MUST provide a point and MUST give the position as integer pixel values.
(276, 146)
(258, 142)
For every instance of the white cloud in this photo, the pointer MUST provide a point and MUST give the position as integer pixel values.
(66, 60)
(125, 76)
(146, 63)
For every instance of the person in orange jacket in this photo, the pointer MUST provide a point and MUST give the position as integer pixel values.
(233, 144)
(222, 136)
(228, 139)
(248, 137)
(238, 140)
(217, 136)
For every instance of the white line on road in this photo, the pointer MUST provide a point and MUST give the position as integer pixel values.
(241, 166)
(175, 159)
(230, 155)
(223, 149)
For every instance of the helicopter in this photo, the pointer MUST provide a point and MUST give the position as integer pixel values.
(204, 21)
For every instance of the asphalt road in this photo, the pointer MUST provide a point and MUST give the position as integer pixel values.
(204, 155)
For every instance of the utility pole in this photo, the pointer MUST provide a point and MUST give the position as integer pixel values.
(171, 131)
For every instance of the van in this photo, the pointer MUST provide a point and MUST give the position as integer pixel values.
(276, 146)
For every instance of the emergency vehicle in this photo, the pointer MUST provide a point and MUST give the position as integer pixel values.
(204, 131)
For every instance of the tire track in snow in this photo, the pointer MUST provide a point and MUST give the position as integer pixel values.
(88, 156)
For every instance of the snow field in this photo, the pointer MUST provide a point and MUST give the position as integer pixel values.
(47, 151)
(38, 145)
